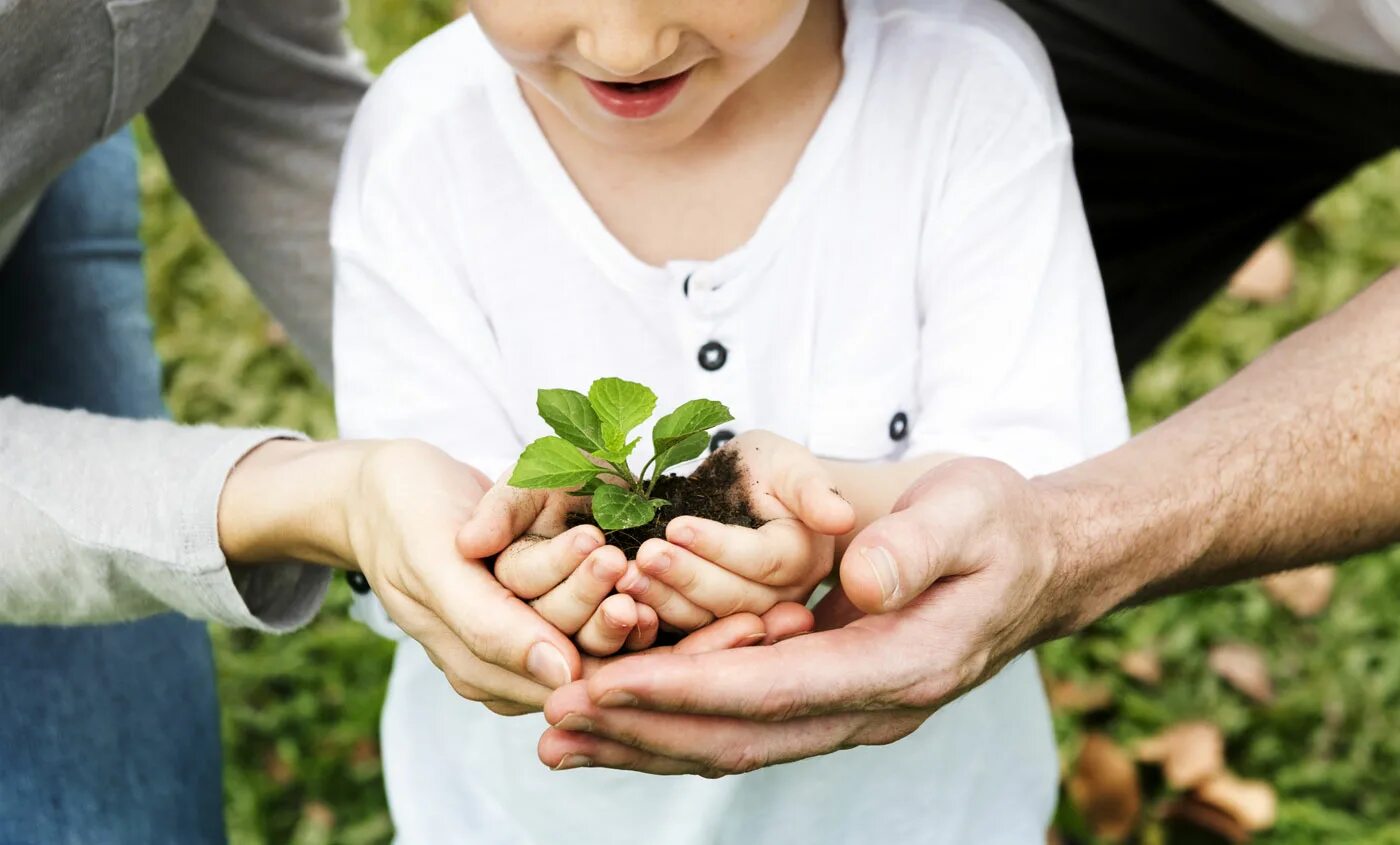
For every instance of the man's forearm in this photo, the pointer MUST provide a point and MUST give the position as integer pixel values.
(1294, 460)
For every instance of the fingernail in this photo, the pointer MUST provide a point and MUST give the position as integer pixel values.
(574, 761)
(585, 543)
(605, 568)
(752, 638)
(548, 666)
(882, 566)
(658, 564)
(684, 535)
(634, 582)
(575, 722)
(617, 698)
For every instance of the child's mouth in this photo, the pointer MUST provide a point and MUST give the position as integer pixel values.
(637, 100)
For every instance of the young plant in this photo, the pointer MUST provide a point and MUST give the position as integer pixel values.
(591, 449)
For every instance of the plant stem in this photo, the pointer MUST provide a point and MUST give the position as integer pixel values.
(626, 475)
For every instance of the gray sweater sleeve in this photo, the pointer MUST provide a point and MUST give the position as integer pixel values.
(252, 129)
(104, 519)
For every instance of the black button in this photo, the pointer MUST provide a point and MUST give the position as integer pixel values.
(685, 286)
(899, 426)
(358, 582)
(713, 355)
(721, 437)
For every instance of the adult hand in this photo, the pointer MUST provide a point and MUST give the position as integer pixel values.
(938, 596)
(393, 509)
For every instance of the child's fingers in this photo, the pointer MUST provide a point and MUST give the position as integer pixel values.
(779, 553)
(607, 630)
(805, 488)
(703, 583)
(673, 608)
(644, 635)
(532, 566)
(569, 605)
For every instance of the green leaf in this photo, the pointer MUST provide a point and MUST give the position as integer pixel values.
(660, 503)
(615, 508)
(589, 487)
(620, 456)
(694, 416)
(682, 451)
(572, 418)
(553, 462)
(621, 406)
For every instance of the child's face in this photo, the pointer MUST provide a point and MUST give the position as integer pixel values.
(639, 74)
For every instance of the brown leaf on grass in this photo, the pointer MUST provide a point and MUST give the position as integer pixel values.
(318, 815)
(1188, 753)
(1104, 787)
(1251, 803)
(1194, 813)
(1143, 666)
(1078, 696)
(277, 769)
(1266, 276)
(275, 334)
(1244, 668)
(1305, 592)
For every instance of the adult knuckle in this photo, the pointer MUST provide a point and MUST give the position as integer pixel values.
(465, 689)
(739, 759)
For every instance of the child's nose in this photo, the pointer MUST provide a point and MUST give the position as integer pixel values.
(628, 44)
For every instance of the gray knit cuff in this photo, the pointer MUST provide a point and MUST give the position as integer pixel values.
(276, 597)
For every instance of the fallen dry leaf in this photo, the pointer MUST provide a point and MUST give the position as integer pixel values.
(1305, 592)
(1188, 753)
(1244, 668)
(1196, 814)
(318, 814)
(1252, 803)
(1266, 276)
(1078, 696)
(1143, 666)
(1104, 787)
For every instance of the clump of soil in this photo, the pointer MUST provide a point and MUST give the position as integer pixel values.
(716, 491)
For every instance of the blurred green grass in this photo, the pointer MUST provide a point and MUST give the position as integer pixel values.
(300, 712)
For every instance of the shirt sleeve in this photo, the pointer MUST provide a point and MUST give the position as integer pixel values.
(103, 520)
(252, 130)
(416, 356)
(1017, 358)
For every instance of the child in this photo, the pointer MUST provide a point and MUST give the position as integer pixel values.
(856, 225)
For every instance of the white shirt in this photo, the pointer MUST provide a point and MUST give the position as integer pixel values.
(929, 257)
(1365, 33)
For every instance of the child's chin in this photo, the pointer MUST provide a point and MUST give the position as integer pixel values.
(666, 130)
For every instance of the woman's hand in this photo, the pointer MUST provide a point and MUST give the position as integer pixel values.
(705, 570)
(392, 509)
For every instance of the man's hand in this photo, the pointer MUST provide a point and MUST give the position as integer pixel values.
(957, 581)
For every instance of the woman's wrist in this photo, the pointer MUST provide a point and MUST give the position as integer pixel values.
(289, 500)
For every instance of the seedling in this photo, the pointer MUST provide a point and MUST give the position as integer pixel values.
(591, 449)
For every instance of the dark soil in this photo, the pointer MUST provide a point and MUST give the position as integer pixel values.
(715, 491)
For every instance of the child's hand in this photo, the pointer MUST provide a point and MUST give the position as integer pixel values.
(704, 569)
(567, 574)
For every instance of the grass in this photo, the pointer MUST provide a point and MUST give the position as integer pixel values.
(300, 712)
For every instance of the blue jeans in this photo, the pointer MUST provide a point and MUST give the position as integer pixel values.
(108, 733)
